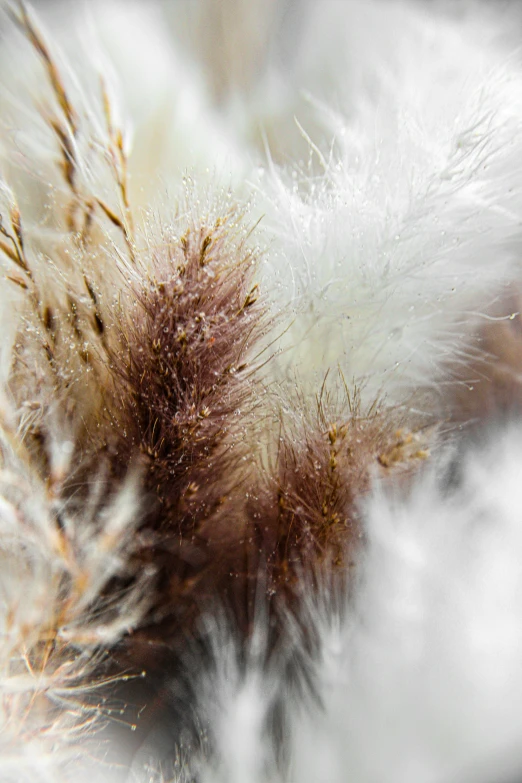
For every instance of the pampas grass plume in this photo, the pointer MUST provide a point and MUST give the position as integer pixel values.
(247, 531)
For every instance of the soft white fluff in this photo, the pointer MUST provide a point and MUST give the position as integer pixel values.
(408, 224)
(420, 678)
(424, 681)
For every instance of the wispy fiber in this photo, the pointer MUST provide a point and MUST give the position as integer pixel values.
(241, 540)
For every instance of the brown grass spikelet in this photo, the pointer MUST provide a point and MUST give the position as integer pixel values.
(183, 395)
(82, 151)
(301, 510)
(322, 474)
(184, 366)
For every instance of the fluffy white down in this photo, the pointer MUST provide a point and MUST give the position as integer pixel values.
(408, 224)
(421, 678)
